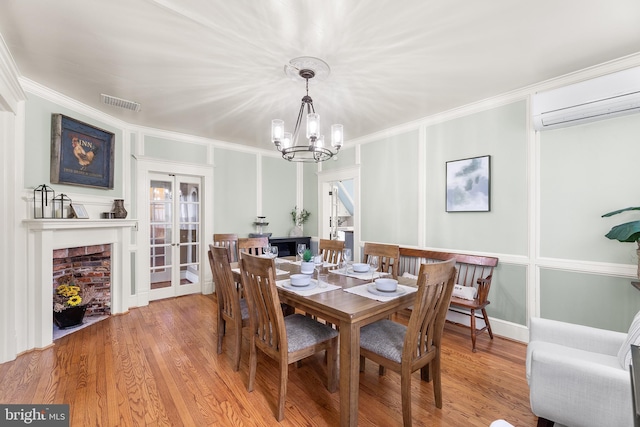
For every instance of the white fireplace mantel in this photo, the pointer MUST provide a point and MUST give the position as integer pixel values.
(46, 235)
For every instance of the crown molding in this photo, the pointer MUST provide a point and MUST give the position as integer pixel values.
(11, 92)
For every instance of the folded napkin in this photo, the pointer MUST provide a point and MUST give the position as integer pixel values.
(306, 293)
(363, 291)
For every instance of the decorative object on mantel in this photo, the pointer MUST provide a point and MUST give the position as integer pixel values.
(70, 302)
(299, 218)
(261, 221)
(61, 206)
(77, 210)
(627, 232)
(81, 154)
(43, 196)
(118, 209)
(305, 68)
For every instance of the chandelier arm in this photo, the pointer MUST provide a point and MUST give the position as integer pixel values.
(296, 130)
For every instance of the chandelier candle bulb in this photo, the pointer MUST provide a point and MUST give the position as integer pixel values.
(277, 130)
(313, 124)
(286, 140)
(336, 136)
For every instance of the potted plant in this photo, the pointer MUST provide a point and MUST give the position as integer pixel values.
(70, 302)
(299, 218)
(307, 265)
(627, 232)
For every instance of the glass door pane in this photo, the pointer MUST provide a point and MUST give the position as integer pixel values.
(189, 225)
(160, 215)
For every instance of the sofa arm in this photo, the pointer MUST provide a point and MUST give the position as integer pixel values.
(576, 336)
(576, 392)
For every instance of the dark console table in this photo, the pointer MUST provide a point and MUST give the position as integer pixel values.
(287, 246)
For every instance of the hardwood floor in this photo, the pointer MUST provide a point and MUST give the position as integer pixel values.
(157, 366)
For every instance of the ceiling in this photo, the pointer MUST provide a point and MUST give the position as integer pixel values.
(214, 68)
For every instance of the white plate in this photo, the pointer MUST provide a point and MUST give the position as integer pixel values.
(372, 289)
(310, 286)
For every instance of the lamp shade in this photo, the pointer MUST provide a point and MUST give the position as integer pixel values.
(337, 135)
(313, 125)
(286, 140)
(277, 130)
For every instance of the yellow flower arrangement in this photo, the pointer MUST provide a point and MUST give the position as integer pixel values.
(70, 295)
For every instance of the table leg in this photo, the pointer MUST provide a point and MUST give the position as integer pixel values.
(349, 373)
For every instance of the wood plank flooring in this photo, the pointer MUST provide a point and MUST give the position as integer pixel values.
(157, 366)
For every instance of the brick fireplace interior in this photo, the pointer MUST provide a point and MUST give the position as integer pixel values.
(88, 265)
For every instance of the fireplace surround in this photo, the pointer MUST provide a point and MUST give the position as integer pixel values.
(45, 236)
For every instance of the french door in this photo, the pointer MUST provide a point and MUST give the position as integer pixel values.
(175, 208)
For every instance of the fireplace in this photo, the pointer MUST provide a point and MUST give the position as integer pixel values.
(89, 266)
(47, 237)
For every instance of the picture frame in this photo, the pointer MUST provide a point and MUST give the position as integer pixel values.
(81, 154)
(468, 185)
(78, 211)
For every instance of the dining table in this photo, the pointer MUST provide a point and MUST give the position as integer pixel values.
(344, 303)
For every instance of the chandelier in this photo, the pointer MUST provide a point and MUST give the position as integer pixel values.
(314, 150)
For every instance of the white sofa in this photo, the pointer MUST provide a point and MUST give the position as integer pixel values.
(575, 375)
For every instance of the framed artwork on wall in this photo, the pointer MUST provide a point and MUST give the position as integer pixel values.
(468, 185)
(81, 154)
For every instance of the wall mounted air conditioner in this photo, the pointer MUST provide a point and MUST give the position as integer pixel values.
(603, 97)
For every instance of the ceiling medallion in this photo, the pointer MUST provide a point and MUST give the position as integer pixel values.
(306, 68)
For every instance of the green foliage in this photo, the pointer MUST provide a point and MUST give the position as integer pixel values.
(301, 217)
(627, 232)
(306, 256)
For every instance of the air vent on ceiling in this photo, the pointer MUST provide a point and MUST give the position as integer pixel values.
(121, 103)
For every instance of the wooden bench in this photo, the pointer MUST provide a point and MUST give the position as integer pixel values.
(472, 271)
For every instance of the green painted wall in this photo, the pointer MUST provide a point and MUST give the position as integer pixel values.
(178, 151)
(346, 157)
(502, 134)
(508, 294)
(235, 192)
(588, 299)
(37, 154)
(587, 171)
(389, 185)
(278, 194)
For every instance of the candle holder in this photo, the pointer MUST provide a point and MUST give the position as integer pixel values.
(43, 196)
(60, 203)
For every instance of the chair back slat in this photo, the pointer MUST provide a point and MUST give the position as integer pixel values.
(226, 291)
(252, 245)
(424, 331)
(266, 318)
(229, 241)
(331, 250)
(388, 256)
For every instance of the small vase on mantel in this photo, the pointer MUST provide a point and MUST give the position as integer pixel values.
(118, 209)
(296, 231)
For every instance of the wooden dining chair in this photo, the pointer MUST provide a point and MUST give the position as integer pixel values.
(331, 250)
(405, 349)
(252, 245)
(229, 241)
(231, 307)
(285, 339)
(388, 256)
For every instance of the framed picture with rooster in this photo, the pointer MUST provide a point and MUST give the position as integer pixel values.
(81, 154)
